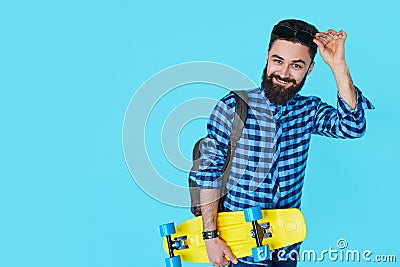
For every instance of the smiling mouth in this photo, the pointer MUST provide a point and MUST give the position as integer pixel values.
(278, 80)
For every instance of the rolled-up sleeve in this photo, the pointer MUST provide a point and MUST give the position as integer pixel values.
(214, 148)
(343, 121)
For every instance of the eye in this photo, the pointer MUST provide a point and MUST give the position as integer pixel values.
(277, 61)
(297, 66)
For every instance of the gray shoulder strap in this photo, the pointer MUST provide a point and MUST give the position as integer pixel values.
(240, 116)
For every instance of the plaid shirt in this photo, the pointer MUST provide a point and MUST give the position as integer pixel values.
(269, 163)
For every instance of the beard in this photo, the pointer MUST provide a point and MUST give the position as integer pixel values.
(279, 94)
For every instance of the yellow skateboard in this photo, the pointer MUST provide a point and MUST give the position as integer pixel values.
(252, 232)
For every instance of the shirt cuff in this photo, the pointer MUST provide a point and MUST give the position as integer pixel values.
(362, 103)
(206, 179)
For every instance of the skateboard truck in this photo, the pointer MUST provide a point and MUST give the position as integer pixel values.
(179, 243)
(260, 253)
(264, 231)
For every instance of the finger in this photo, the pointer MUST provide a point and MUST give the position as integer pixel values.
(219, 262)
(331, 31)
(330, 37)
(321, 39)
(230, 255)
(338, 35)
(223, 262)
(320, 44)
(326, 33)
(343, 34)
(325, 37)
(334, 34)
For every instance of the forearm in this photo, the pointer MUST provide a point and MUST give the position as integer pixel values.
(209, 208)
(345, 85)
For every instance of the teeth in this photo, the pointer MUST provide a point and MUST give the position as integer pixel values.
(282, 81)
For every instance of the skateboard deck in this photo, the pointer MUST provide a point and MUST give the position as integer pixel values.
(278, 228)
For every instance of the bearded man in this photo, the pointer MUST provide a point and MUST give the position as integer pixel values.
(268, 171)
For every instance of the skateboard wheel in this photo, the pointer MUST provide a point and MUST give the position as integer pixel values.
(252, 214)
(260, 253)
(173, 262)
(167, 229)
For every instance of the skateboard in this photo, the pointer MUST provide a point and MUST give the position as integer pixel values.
(252, 232)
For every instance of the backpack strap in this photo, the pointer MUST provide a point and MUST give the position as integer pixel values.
(240, 116)
(239, 121)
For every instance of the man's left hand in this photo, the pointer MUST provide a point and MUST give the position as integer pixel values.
(331, 47)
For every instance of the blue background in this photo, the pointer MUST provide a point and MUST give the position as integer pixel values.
(68, 70)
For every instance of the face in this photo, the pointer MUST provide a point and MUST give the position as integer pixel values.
(288, 64)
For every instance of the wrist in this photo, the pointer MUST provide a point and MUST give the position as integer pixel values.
(210, 234)
(339, 68)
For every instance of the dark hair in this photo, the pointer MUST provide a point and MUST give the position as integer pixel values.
(297, 25)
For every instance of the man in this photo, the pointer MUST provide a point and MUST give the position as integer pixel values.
(278, 184)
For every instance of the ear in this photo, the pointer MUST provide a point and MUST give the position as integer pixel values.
(310, 68)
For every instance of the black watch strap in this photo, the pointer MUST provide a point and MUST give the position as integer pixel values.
(210, 234)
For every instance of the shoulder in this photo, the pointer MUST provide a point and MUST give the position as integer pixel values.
(229, 99)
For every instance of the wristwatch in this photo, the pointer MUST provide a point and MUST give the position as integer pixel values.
(210, 234)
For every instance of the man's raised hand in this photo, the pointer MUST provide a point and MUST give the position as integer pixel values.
(331, 47)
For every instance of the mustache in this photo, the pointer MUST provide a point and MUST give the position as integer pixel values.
(277, 93)
(288, 80)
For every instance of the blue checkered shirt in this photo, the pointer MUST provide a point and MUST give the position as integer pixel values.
(269, 163)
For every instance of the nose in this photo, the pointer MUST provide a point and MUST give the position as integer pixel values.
(284, 71)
